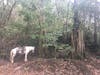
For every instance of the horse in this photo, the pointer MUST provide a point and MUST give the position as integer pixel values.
(21, 50)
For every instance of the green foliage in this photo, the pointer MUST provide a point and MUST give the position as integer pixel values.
(66, 47)
(33, 18)
(43, 21)
(64, 50)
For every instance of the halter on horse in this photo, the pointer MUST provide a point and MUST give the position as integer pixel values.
(21, 50)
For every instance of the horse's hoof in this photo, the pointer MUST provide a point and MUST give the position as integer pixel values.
(12, 62)
(25, 60)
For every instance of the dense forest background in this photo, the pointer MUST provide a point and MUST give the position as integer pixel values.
(57, 28)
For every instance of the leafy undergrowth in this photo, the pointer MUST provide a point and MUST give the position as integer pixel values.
(51, 67)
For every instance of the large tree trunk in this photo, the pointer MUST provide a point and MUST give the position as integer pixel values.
(95, 24)
(77, 34)
(41, 33)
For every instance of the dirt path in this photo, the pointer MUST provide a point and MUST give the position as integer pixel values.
(51, 67)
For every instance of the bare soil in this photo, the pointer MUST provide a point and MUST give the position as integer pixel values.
(39, 66)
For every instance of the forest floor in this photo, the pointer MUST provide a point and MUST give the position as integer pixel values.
(39, 66)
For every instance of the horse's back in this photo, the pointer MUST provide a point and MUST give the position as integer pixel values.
(22, 49)
(29, 47)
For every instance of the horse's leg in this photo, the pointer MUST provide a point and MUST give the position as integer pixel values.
(12, 57)
(25, 57)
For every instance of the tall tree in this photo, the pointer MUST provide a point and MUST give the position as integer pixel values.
(77, 33)
(95, 22)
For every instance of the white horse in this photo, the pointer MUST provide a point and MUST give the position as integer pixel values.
(21, 50)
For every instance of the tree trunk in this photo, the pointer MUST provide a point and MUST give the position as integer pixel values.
(77, 34)
(95, 24)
